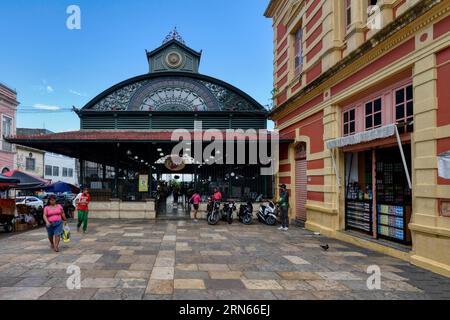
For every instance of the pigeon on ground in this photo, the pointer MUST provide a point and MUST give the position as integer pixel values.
(325, 247)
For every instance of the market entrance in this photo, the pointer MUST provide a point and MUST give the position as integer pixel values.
(378, 197)
(300, 183)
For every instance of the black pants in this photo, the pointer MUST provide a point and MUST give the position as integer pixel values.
(284, 217)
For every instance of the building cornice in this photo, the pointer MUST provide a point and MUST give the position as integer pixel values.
(395, 33)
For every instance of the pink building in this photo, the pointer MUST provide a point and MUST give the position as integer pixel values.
(8, 107)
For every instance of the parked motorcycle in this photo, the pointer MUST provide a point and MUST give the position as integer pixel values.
(38, 215)
(213, 212)
(227, 211)
(7, 222)
(268, 214)
(245, 214)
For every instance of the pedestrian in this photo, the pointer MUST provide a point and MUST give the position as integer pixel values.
(81, 202)
(283, 202)
(195, 200)
(217, 196)
(53, 217)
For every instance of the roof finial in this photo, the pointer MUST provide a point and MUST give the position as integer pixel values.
(174, 35)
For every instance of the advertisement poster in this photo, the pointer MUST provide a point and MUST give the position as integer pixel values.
(143, 183)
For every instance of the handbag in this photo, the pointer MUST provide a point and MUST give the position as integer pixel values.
(66, 233)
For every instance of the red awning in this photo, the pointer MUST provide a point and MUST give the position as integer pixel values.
(137, 136)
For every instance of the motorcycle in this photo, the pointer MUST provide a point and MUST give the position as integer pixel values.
(38, 215)
(245, 214)
(213, 213)
(7, 222)
(227, 211)
(267, 214)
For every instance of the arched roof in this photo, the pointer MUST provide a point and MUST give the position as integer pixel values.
(174, 92)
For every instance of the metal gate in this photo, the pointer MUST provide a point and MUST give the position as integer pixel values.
(300, 183)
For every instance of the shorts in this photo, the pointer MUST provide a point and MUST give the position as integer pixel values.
(196, 206)
(55, 229)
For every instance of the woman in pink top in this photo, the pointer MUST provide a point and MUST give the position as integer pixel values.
(53, 217)
(195, 200)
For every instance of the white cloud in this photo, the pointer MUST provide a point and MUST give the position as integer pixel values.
(49, 89)
(46, 107)
(77, 93)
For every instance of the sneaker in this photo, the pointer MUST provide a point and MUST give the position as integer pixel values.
(195, 220)
(280, 228)
(285, 229)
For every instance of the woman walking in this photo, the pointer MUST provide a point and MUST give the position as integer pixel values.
(53, 217)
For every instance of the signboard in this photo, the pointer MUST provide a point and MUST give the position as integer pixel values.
(143, 183)
(174, 163)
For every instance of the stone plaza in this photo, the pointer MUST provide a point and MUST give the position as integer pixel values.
(173, 260)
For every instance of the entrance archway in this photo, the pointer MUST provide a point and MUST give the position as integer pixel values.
(301, 183)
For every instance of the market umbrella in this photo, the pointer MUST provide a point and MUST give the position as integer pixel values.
(26, 181)
(8, 182)
(61, 187)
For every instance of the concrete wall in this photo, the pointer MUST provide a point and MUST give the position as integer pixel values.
(20, 160)
(60, 161)
(116, 209)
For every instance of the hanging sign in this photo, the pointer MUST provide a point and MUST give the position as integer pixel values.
(143, 183)
(174, 163)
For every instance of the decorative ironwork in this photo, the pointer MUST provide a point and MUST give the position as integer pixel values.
(176, 94)
(174, 35)
(174, 99)
(119, 100)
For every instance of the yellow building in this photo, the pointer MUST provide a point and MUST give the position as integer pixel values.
(363, 87)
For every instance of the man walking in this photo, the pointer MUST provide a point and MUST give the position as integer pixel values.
(284, 208)
(81, 202)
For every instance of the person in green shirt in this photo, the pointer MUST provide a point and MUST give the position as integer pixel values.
(283, 202)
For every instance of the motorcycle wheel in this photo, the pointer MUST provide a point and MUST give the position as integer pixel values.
(229, 218)
(247, 220)
(271, 221)
(213, 219)
(9, 228)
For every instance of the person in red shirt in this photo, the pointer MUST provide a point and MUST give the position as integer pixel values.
(82, 205)
(217, 196)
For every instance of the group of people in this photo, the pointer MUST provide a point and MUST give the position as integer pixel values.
(55, 217)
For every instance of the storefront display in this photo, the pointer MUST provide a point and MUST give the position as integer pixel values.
(388, 215)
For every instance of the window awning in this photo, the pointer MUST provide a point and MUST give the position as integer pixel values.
(367, 136)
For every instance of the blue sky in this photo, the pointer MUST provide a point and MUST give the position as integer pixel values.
(51, 66)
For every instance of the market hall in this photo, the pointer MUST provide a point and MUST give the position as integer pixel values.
(125, 140)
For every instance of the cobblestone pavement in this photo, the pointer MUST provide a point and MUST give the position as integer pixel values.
(184, 260)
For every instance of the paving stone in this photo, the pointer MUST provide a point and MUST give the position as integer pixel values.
(296, 260)
(119, 294)
(262, 284)
(99, 283)
(298, 275)
(338, 276)
(189, 284)
(325, 285)
(162, 273)
(186, 267)
(9, 281)
(32, 282)
(65, 294)
(225, 274)
(222, 284)
(132, 274)
(159, 287)
(260, 275)
(181, 274)
(213, 267)
(22, 293)
(295, 285)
